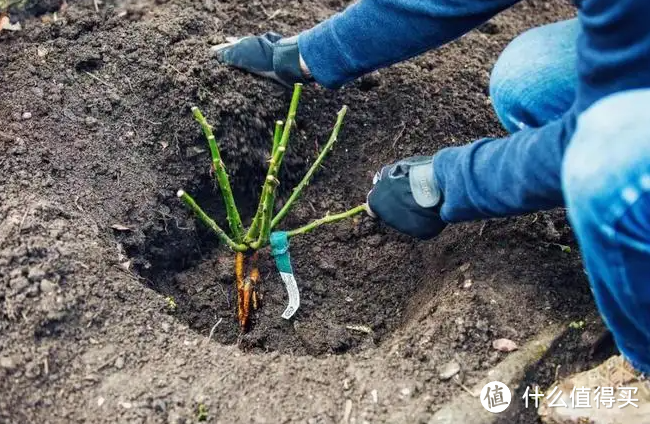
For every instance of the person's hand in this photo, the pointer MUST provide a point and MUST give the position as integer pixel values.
(269, 55)
(405, 196)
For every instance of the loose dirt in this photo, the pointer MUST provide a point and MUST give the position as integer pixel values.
(96, 131)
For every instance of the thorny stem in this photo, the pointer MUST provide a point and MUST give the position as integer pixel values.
(221, 234)
(328, 219)
(277, 136)
(270, 183)
(253, 231)
(263, 222)
(310, 173)
(265, 217)
(234, 220)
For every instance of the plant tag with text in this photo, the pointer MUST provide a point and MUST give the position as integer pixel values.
(292, 291)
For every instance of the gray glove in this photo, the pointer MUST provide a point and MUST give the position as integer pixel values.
(406, 196)
(269, 55)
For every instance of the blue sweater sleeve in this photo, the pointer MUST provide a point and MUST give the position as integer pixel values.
(371, 34)
(521, 173)
(506, 176)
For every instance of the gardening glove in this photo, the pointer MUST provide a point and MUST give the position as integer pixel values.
(268, 55)
(405, 195)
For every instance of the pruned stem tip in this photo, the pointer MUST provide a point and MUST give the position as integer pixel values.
(234, 220)
(221, 234)
(267, 199)
(312, 170)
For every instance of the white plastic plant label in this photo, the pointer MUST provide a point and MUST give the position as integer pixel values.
(294, 296)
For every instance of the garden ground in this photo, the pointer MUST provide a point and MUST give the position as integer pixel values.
(96, 138)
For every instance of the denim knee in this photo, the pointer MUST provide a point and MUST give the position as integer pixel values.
(606, 166)
(606, 185)
(534, 79)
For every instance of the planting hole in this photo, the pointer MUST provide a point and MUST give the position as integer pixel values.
(354, 281)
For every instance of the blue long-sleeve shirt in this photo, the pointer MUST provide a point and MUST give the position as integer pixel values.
(490, 177)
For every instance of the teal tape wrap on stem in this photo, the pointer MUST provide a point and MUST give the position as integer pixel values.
(280, 250)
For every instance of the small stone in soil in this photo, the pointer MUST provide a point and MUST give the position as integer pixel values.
(47, 286)
(504, 345)
(27, 115)
(119, 363)
(7, 363)
(448, 370)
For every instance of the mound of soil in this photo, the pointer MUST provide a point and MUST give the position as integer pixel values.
(97, 132)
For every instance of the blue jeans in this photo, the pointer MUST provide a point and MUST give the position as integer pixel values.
(605, 173)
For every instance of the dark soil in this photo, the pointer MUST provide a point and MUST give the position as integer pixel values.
(97, 131)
